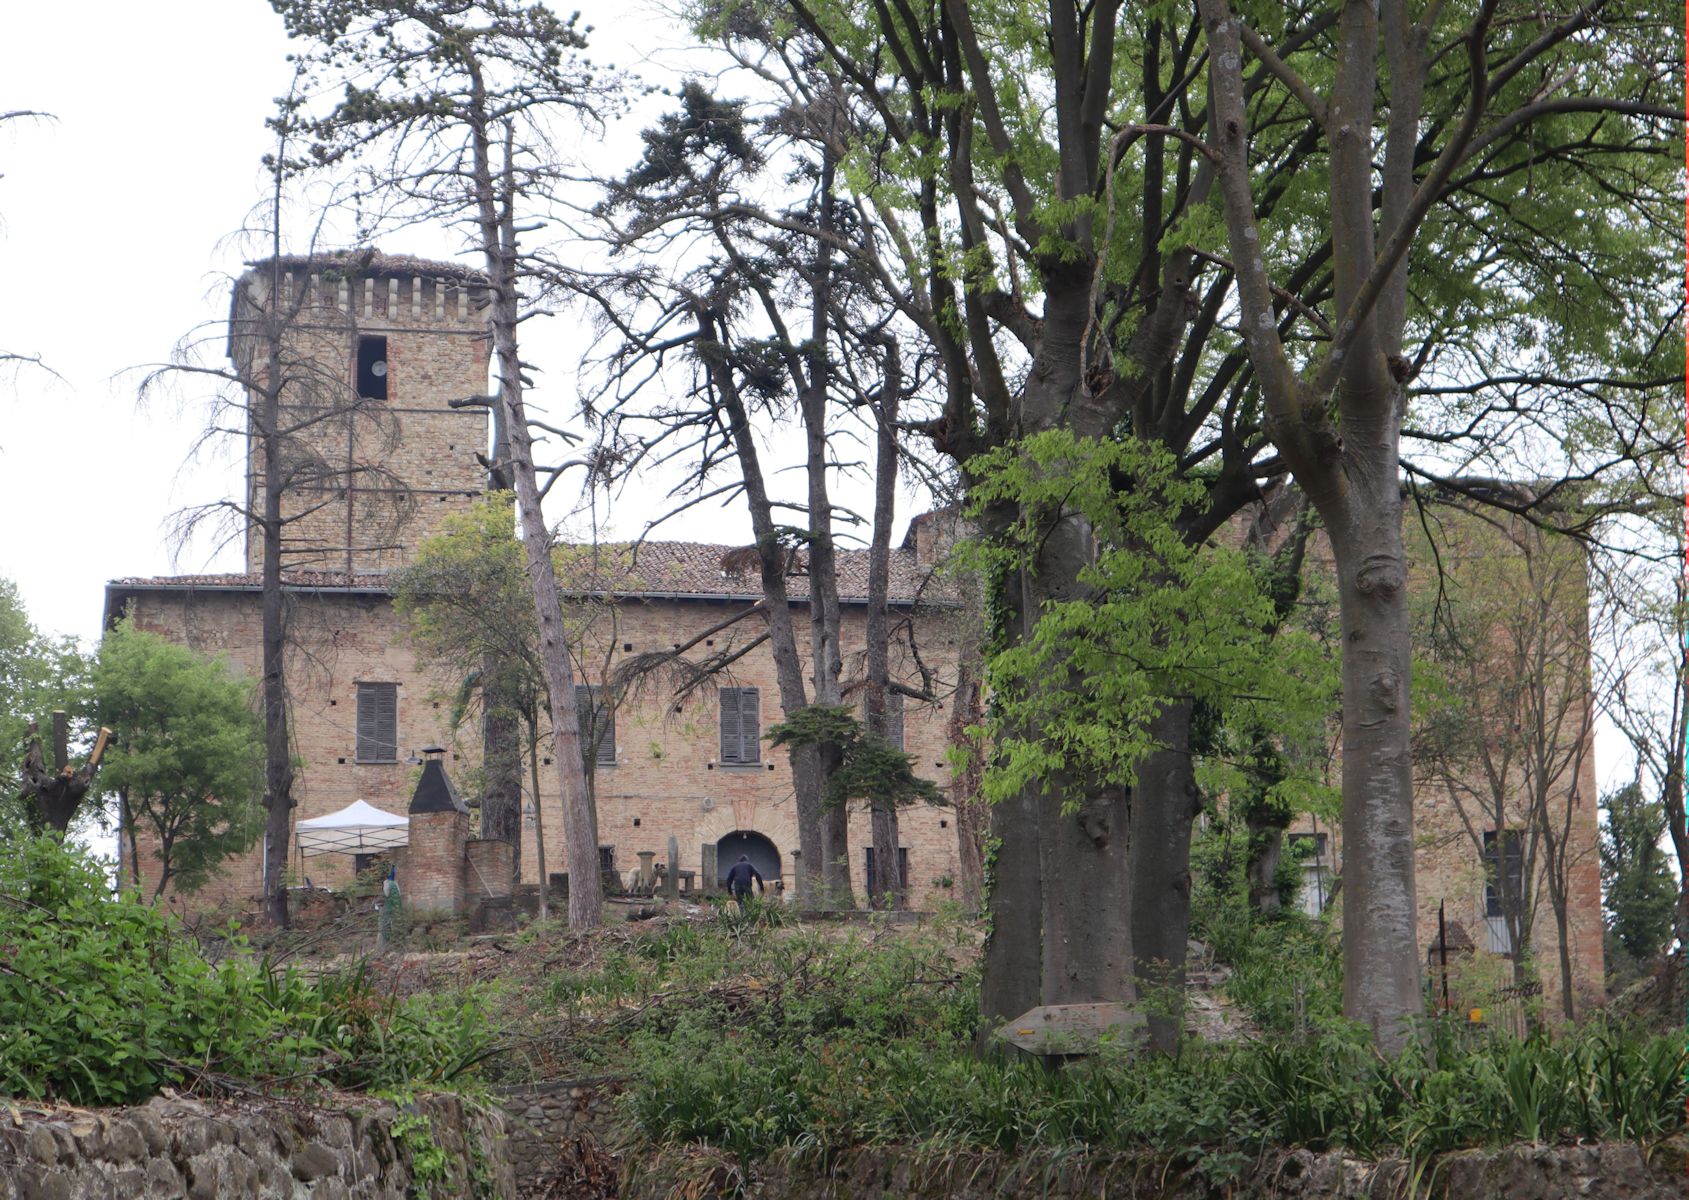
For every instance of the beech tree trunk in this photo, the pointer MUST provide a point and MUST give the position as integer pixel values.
(1070, 868)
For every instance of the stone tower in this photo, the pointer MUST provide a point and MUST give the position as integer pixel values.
(369, 349)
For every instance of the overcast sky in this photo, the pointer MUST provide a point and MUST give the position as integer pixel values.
(116, 223)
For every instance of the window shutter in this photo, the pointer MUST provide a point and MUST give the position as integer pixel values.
(741, 725)
(595, 720)
(378, 722)
(729, 724)
(750, 725)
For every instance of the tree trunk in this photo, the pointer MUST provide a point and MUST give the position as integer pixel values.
(807, 774)
(826, 658)
(495, 201)
(1266, 852)
(882, 813)
(501, 726)
(972, 815)
(1380, 920)
(278, 750)
(1164, 806)
(501, 766)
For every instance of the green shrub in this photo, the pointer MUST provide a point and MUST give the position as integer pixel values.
(105, 999)
(830, 1045)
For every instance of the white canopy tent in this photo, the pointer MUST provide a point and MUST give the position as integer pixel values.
(359, 828)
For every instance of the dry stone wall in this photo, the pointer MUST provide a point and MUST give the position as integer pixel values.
(181, 1149)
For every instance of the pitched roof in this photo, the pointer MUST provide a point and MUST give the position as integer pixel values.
(657, 570)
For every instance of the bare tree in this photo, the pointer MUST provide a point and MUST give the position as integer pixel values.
(1511, 741)
(288, 392)
(728, 317)
(447, 107)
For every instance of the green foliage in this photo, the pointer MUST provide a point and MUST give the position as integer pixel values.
(428, 1160)
(1638, 889)
(104, 1000)
(870, 768)
(1162, 619)
(187, 751)
(857, 1044)
(39, 674)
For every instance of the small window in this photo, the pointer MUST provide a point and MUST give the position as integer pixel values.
(372, 368)
(378, 722)
(741, 725)
(871, 876)
(894, 717)
(597, 722)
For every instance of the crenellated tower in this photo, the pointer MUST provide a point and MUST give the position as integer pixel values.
(368, 349)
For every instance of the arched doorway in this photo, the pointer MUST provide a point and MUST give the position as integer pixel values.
(764, 856)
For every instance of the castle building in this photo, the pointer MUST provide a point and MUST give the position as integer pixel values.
(373, 348)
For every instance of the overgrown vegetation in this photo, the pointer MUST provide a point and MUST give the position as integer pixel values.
(753, 1037)
(104, 1000)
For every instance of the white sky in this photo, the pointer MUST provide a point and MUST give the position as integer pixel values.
(116, 219)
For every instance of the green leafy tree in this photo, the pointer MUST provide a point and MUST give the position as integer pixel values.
(39, 675)
(1637, 887)
(187, 756)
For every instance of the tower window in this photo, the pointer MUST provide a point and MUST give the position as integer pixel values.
(372, 368)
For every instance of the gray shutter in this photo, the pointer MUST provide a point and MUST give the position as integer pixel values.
(729, 724)
(595, 720)
(750, 725)
(378, 722)
(894, 718)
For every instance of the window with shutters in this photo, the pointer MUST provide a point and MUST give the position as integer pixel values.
(871, 876)
(894, 717)
(597, 722)
(378, 722)
(741, 725)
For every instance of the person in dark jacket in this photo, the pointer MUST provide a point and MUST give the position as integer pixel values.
(739, 877)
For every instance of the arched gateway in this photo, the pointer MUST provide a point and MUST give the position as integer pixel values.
(764, 856)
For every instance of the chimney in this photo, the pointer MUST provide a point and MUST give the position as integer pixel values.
(439, 830)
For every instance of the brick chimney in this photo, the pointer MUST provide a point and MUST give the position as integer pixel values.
(439, 829)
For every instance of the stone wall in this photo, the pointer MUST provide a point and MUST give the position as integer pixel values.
(544, 1120)
(180, 1149)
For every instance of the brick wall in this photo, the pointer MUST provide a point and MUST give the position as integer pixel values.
(667, 775)
(432, 881)
(398, 465)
